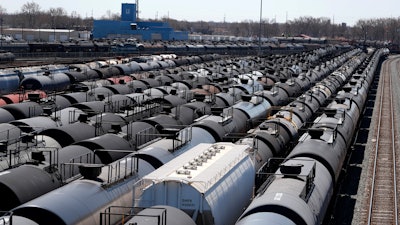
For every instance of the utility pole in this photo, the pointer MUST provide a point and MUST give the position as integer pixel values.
(1, 34)
(54, 29)
(137, 10)
(259, 35)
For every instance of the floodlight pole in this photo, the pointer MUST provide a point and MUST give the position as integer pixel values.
(1, 34)
(259, 35)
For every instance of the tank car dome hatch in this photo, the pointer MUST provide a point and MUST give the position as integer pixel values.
(74, 154)
(90, 171)
(315, 133)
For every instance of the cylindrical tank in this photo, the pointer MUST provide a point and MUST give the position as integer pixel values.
(289, 199)
(14, 188)
(9, 81)
(52, 82)
(201, 182)
(82, 201)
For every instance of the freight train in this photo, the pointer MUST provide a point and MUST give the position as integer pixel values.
(299, 192)
(203, 190)
(46, 208)
(242, 114)
(126, 46)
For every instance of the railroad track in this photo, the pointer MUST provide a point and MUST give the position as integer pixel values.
(383, 191)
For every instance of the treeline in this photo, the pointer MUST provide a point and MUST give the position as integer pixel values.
(381, 29)
(32, 16)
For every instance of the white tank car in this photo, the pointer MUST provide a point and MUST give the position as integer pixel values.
(212, 183)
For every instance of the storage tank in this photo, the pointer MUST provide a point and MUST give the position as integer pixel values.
(202, 183)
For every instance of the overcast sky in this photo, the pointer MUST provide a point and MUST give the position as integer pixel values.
(348, 11)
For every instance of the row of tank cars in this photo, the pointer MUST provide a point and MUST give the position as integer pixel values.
(6, 57)
(87, 149)
(213, 183)
(128, 45)
(53, 78)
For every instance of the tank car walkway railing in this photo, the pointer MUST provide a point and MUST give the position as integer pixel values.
(159, 218)
(111, 173)
(6, 217)
(383, 205)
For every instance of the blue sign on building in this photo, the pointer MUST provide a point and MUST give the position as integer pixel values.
(129, 27)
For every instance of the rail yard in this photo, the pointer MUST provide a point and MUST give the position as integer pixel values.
(223, 134)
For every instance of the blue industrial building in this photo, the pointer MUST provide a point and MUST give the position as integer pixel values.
(129, 27)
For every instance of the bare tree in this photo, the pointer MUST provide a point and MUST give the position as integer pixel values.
(59, 17)
(2, 10)
(58, 12)
(111, 16)
(393, 30)
(30, 10)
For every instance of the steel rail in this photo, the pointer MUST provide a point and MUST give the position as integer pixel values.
(385, 75)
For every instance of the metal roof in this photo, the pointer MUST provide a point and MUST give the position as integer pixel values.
(202, 166)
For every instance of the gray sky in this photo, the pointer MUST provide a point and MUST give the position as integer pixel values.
(348, 11)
